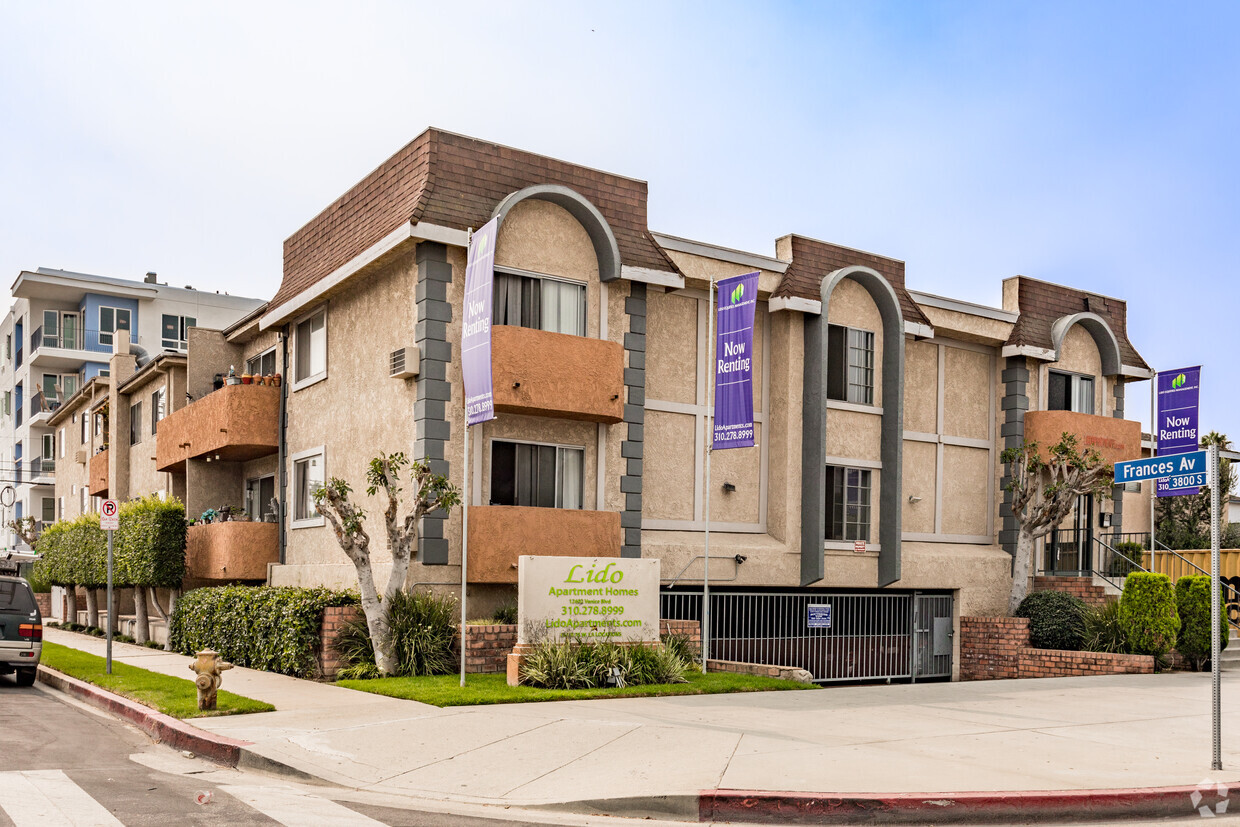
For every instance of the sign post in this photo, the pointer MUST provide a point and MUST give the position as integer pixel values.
(1215, 643)
(730, 418)
(109, 521)
(475, 373)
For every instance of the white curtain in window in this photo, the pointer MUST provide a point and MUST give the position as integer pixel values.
(568, 478)
(563, 307)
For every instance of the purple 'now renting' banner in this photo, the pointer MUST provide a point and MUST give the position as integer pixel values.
(1178, 391)
(738, 296)
(476, 325)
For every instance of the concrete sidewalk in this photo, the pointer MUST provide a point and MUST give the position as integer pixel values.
(658, 754)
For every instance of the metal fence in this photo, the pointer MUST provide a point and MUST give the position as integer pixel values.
(854, 636)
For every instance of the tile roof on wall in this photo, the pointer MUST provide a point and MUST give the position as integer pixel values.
(813, 259)
(454, 181)
(1042, 303)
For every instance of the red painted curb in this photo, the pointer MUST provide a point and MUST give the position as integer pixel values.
(163, 728)
(957, 808)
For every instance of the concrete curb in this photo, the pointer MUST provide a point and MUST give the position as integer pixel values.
(764, 807)
(163, 728)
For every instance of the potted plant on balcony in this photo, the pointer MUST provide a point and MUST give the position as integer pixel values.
(209, 516)
(233, 378)
(247, 379)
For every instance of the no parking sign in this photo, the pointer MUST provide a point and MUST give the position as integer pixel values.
(110, 516)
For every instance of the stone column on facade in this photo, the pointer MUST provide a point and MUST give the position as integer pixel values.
(434, 393)
(1117, 492)
(631, 449)
(1015, 403)
(121, 366)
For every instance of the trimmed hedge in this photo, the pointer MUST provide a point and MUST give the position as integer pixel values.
(1055, 620)
(150, 544)
(273, 628)
(1192, 601)
(1147, 613)
(74, 553)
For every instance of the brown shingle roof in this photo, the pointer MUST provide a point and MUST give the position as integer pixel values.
(813, 259)
(1041, 303)
(455, 181)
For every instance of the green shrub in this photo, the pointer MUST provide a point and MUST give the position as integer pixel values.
(683, 646)
(1103, 631)
(54, 565)
(1147, 613)
(149, 547)
(1055, 620)
(506, 615)
(1192, 602)
(37, 584)
(272, 628)
(423, 632)
(576, 664)
(86, 545)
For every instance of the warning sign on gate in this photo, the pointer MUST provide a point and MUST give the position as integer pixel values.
(110, 516)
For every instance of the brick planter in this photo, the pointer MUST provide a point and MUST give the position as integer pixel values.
(334, 620)
(1082, 587)
(998, 647)
(487, 647)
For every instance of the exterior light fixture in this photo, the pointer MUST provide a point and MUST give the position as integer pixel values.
(729, 487)
(516, 384)
(913, 499)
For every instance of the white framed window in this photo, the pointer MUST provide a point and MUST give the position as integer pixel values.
(83, 504)
(540, 302)
(264, 364)
(848, 503)
(82, 422)
(112, 320)
(60, 437)
(850, 364)
(308, 474)
(159, 402)
(1069, 392)
(310, 349)
(61, 329)
(259, 492)
(174, 331)
(534, 474)
(135, 423)
(48, 514)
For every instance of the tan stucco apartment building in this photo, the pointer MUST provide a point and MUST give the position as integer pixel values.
(881, 411)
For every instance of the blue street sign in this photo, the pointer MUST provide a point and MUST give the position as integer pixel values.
(1182, 470)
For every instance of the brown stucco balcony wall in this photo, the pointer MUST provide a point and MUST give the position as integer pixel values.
(1116, 440)
(237, 422)
(499, 534)
(553, 374)
(231, 551)
(99, 474)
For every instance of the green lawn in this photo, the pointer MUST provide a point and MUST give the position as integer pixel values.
(177, 697)
(445, 690)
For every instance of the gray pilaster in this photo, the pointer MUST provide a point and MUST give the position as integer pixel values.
(633, 446)
(1117, 493)
(1015, 403)
(434, 393)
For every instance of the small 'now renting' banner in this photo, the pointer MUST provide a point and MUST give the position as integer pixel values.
(738, 296)
(476, 325)
(1178, 394)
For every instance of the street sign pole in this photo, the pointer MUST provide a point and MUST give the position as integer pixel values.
(109, 521)
(111, 619)
(1215, 643)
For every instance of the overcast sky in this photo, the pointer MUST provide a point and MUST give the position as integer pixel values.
(1091, 144)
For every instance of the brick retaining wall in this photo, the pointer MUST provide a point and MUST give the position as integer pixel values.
(334, 620)
(1082, 587)
(44, 601)
(487, 647)
(992, 648)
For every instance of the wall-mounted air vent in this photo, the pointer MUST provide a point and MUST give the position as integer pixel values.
(403, 363)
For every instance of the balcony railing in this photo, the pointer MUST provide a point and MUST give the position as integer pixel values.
(42, 467)
(19, 357)
(80, 339)
(40, 403)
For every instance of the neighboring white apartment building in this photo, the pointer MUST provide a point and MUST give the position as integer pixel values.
(60, 332)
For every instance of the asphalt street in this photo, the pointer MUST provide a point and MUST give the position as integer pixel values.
(62, 762)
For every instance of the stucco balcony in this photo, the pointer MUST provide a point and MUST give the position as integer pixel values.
(1116, 440)
(231, 551)
(235, 423)
(538, 373)
(99, 474)
(499, 534)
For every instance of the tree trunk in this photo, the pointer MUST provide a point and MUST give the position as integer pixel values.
(142, 625)
(92, 607)
(71, 603)
(173, 594)
(376, 614)
(1020, 569)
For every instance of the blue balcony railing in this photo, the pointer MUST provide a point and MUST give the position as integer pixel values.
(78, 339)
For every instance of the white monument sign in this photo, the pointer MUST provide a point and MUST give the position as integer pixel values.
(591, 598)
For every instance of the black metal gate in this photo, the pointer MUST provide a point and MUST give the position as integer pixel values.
(836, 636)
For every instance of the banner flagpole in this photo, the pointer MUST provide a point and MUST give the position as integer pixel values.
(1153, 452)
(710, 442)
(469, 235)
